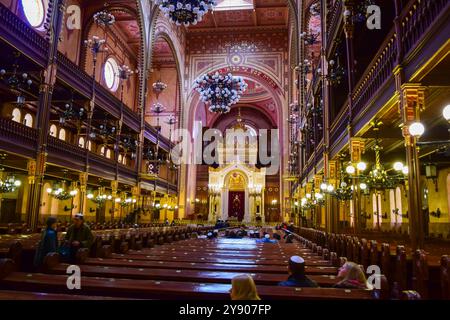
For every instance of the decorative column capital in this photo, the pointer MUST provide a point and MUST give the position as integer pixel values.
(357, 147)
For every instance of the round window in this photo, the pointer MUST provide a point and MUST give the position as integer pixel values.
(34, 12)
(110, 73)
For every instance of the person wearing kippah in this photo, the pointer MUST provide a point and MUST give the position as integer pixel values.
(297, 277)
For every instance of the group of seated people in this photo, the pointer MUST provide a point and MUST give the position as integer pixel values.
(78, 235)
(220, 224)
(350, 276)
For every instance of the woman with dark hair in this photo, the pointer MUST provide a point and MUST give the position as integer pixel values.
(48, 242)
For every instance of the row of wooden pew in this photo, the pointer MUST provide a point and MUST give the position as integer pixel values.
(164, 264)
(428, 275)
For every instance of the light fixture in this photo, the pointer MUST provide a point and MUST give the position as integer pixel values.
(220, 91)
(101, 197)
(185, 12)
(405, 170)
(398, 166)
(361, 166)
(104, 18)
(58, 191)
(446, 113)
(330, 188)
(363, 186)
(350, 169)
(416, 129)
(323, 186)
(10, 184)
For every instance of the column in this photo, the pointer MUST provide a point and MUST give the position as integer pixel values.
(332, 213)
(411, 103)
(224, 204)
(83, 177)
(357, 146)
(247, 207)
(115, 205)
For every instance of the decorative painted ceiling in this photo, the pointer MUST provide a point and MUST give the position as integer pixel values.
(245, 13)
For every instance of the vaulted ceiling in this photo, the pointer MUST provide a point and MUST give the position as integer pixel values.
(245, 13)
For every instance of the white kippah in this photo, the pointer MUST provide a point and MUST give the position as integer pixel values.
(297, 259)
(267, 236)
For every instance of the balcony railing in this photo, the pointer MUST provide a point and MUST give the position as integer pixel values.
(376, 75)
(22, 37)
(416, 19)
(334, 17)
(32, 44)
(65, 150)
(74, 76)
(17, 132)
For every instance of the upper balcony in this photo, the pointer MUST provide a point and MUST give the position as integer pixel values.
(419, 24)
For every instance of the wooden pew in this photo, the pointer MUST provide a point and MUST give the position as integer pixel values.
(212, 259)
(53, 267)
(26, 295)
(249, 268)
(445, 277)
(152, 289)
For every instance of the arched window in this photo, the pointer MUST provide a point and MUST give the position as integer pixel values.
(120, 158)
(53, 131)
(34, 11)
(124, 161)
(89, 146)
(16, 115)
(110, 74)
(102, 150)
(108, 153)
(81, 142)
(62, 134)
(398, 200)
(377, 214)
(28, 120)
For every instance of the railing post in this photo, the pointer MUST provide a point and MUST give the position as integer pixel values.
(43, 113)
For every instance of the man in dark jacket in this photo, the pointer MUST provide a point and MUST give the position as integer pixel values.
(79, 235)
(297, 277)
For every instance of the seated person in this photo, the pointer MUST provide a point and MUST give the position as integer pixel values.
(266, 239)
(243, 288)
(209, 235)
(291, 227)
(297, 277)
(48, 242)
(352, 277)
(78, 235)
(194, 235)
(290, 238)
(276, 236)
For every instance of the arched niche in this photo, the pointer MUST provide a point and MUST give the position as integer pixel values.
(164, 70)
(125, 41)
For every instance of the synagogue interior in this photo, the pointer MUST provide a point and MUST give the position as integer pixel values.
(225, 149)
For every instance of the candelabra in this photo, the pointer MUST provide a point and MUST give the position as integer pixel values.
(16, 81)
(309, 38)
(104, 18)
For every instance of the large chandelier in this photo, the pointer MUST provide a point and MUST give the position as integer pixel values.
(220, 91)
(59, 191)
(9, 184)
(185, 11)
(101, 197)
